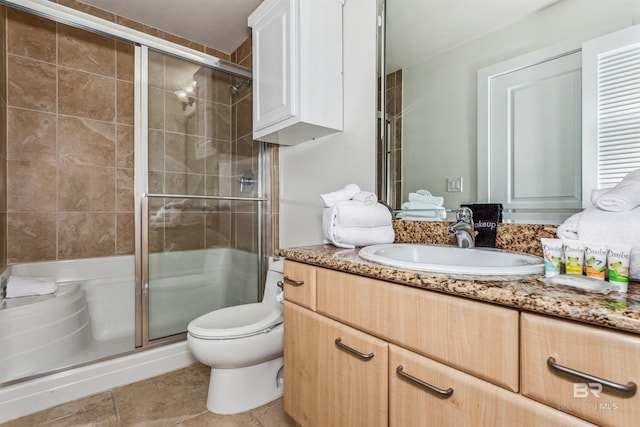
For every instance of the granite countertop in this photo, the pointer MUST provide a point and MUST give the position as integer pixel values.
(620, 311)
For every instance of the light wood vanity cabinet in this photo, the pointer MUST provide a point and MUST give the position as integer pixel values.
(447, 342)
(300, 284)
(599, 352)
(471, 402)
(328, 385)
(475, 337)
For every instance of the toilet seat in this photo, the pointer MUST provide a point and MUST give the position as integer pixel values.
(235, 322)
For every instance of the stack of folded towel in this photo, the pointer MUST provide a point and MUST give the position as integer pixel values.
(26, 286)
(614, 218)
(423, 206)
(352, 217)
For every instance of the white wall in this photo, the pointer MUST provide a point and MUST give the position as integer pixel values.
(439, 94)
(316, 167)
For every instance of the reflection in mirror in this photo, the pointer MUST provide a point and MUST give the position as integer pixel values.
(432, 54)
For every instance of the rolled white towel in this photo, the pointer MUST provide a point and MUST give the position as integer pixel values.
(350, 213)
(624, 196)
(334, 197)
(366, 197)
(595, 194)
(596, 225)
(26, 286)
(424, 196)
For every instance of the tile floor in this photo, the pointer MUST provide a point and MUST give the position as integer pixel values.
(177, 398)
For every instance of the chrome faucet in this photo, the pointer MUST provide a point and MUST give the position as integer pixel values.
(463, 228)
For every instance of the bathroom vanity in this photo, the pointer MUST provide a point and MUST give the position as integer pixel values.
(369, 345)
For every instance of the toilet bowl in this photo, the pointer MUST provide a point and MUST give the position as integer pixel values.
(243, 345)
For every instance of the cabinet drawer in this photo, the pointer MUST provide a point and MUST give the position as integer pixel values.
(472, 402)
(475, 337)
(600, 352)
(300, 284)
(328, 385)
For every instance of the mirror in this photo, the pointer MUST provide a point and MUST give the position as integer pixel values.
(430, 55)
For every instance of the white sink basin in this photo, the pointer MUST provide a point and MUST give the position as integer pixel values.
(450, 259)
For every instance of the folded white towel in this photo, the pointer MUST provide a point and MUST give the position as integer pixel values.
(424, 211)
(26, 286)
(623, 197)
(424, 196)
(334, 197)
(350, 223)
(366, 197)
(596, 225)
(350, 213)
(350, 237)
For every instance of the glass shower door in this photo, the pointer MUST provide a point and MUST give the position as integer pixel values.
(203, 222)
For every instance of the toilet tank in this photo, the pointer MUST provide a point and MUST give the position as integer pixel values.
(271, 289)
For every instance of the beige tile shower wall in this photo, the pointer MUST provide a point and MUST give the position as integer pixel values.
(70, 177)
(69, 142)
(190, 153)
(3, 138)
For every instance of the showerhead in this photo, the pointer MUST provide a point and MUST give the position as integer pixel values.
(234, 90)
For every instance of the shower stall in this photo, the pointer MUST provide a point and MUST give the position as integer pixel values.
(132, 180)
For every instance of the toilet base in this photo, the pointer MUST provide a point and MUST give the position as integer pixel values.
(236, 390)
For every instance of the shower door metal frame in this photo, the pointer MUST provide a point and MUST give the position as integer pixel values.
(142, 43)
(142, 195)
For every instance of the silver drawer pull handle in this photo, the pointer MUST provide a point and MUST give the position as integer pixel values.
(362, 356)
(630, 387)
(445, 393)
(293, 282)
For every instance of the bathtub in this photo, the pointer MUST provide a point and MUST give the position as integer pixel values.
(92, 316)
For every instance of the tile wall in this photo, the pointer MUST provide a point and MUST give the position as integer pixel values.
(69, 142)
(69, 157)
(200, 146)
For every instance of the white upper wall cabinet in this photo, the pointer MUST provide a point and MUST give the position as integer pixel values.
(297, 70)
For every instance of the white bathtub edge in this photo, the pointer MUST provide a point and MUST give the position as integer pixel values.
(22, 399)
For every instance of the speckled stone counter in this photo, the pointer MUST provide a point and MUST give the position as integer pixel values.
(616, 310)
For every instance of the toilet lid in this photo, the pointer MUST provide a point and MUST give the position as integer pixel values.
(235, 322)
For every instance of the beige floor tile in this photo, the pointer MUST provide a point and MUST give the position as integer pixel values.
(273, 415)
(177, 398)
(164, 400)
(97, 410)
(209, 419)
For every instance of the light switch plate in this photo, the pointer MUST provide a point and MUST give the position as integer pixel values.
(454, 185)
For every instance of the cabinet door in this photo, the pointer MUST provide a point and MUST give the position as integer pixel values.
(474, 337)
(273, 98)
(327, 385)
(300, 284)
(599, 352)
(462, 400)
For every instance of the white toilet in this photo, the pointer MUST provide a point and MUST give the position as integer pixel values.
(243, 345)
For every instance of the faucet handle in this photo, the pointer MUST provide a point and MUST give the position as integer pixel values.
(464, 214)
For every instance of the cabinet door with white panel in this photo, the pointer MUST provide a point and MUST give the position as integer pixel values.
(297, 69)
